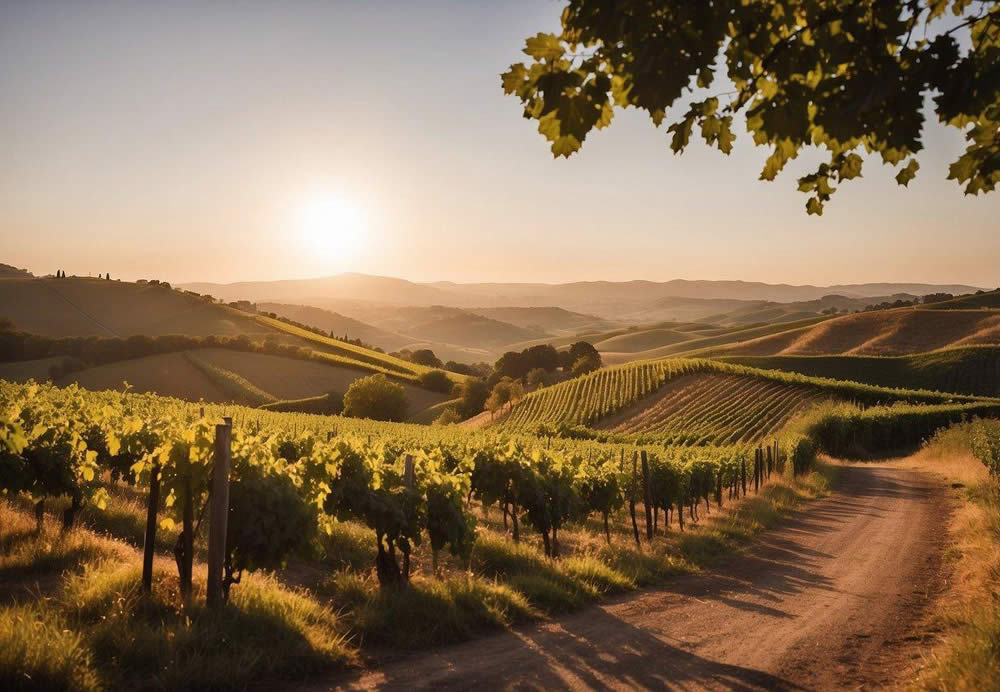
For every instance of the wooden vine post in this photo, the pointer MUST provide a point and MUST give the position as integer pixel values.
(409, 480)
(219, 513)
(756, 470)
(647, 496)
(743, 474)
(149, 542)
(631, 501)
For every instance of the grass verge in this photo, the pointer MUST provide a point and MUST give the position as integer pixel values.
(967, 615)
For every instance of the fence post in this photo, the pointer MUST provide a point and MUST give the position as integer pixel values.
(149, 543)
(219, 513)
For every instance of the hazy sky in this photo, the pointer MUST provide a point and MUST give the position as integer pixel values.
(195, 141)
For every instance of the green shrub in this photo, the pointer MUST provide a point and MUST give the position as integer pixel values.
(849, 431)
(449, 416)
(375, 397)
(436, 381)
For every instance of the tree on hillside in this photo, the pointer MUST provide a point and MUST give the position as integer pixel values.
(580, 350)
(844, 76)
(375, 397)
(425, 356)
(585, 364)
(472, 396)
(476, 369)
(506, 391)
(537, 378)
(436, 381)
(516, 365)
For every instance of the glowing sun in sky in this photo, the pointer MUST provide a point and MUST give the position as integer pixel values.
(331, 227)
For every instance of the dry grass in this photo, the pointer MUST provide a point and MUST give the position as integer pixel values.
(74, 618)
(885, 333)
(968, 612)
(632, 342)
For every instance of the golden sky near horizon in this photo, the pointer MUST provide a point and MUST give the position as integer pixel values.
(248, 141)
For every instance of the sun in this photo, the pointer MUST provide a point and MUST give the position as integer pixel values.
(330, 226)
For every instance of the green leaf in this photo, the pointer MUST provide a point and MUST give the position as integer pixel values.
(907, 174)
(544, 47)
(514, 78)
(851, 167)
(564, 146)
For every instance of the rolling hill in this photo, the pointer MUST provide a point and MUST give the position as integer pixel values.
(9, 272)
(643, 340)
(95, 307)
(549, 320)
(233, 376)
(965, 370)
(882, 332)
(706, 341)
(85, 307)
(338, 324)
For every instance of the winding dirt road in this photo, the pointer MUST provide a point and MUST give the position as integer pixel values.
(827, 601)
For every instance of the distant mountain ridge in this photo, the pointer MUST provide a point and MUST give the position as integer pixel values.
(606, 299)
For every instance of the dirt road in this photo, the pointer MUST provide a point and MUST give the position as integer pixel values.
(828, 601)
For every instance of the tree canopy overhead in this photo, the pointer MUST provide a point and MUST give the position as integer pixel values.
(846, 76)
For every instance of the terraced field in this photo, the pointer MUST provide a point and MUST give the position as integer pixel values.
(711, 408)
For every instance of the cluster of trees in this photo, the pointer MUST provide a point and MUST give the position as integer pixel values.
(926, 300)
(518, 372)
(153, 282)
(60, 274)
(886, 305)
(421, 356)
(937, 298)
(542, 362)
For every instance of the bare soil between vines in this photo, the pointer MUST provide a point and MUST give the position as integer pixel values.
(833, 598)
